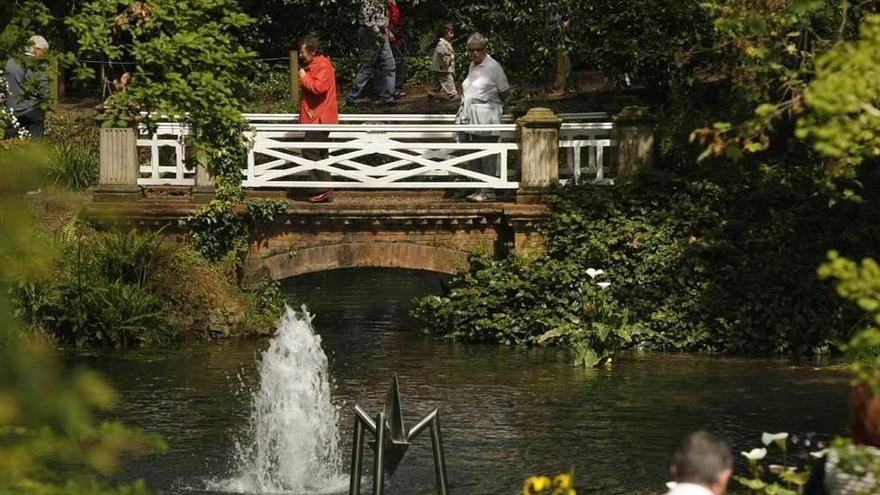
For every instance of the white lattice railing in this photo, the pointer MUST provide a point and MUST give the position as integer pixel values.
(379, 151)
(167, 156)
(379, 156)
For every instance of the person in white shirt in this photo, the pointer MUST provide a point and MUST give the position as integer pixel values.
(702, 465)
(484, 90)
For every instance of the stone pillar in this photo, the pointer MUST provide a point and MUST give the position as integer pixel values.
(119, 165)
(539, 154)
(635, 140)
(205, 187)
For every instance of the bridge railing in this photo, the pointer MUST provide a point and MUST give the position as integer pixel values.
(376, 156)
(379, 151)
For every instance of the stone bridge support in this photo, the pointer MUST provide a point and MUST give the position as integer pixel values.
(438, 239)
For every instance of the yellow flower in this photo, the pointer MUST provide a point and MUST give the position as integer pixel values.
(562, 480)
(536, 485)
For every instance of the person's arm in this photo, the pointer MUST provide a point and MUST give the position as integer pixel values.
(317, 82)
(502, 84)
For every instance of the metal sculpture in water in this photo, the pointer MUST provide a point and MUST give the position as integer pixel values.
(391, 442)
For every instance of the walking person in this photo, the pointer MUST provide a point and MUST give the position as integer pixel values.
(375, 53)
(28, 90)
(443, 65)
(317, 106)
(485, 88)
(396, 35)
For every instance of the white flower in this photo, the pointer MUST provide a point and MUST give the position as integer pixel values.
(776, 468)
(819, 453)
(604, 285)
(768, 438)
(755, 454)
(593, 273)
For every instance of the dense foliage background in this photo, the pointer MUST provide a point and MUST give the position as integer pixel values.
(766, 147)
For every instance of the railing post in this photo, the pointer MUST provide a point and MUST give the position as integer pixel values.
(119, 171)
(294, 78)
(539, 154)
(205, 186)
(635, 140)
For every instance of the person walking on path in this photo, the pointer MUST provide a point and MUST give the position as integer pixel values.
(485, 88)
(443, 65)
(317, 106)
(702, 465)
(375, 52)
(395, 37)
(28, 90)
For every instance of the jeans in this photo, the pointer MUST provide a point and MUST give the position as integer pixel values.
(375, 52)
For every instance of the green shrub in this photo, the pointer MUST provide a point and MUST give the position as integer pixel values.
(418, 68)
(74, 162)
(129, 316)
(720, 259)
(98, 293)
(539, 301)
(73, 168)
(271, 84)
(129, 257)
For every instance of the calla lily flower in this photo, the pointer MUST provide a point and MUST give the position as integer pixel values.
(768, 438)
(604, 285)
(593, 273)
(755, 455)
(819, 453)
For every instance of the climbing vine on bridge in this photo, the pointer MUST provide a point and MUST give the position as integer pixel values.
(180, 59)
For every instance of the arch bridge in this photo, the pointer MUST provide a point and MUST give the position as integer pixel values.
(393, 176)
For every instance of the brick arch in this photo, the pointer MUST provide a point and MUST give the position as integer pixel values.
(372, 254)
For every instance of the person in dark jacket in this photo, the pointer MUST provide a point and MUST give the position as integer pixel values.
(28, 90)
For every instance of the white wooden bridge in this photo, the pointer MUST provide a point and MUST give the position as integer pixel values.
(380, 151)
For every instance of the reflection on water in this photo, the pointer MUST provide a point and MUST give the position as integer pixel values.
(505, 412)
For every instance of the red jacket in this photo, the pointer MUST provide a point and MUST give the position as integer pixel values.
(318, 102)
(394, 23)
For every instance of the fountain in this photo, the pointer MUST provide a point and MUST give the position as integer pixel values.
(292, 443)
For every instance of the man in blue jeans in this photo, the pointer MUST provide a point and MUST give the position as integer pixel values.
(375, 51)
(28, 89)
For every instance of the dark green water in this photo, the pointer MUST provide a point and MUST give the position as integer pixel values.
(506, 412)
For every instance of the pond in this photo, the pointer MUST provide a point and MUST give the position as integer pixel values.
(506, 412)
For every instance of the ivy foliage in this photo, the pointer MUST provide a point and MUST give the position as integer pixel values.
(188, 62)
(721, 259)
(217, 230)
(521, 301)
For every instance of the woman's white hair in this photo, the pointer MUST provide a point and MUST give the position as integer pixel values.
(36, 42)
(476, 40)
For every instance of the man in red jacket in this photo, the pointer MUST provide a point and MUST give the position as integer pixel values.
(317, 106)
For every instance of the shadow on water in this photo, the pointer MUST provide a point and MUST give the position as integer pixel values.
(506, 412)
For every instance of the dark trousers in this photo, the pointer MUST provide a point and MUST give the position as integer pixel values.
(34, 120)
(316, 154)
(488, 164)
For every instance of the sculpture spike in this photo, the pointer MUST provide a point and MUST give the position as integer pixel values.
(394, 413)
